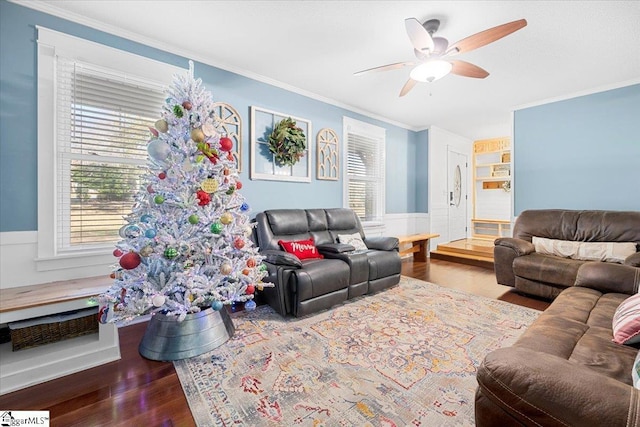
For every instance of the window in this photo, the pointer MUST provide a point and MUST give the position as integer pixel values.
(95, 105)
(365, 181)
(103, 121)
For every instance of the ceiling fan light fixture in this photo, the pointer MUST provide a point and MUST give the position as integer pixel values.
(431, 71)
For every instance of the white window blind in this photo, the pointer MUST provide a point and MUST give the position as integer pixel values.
(365, 171)
(102, 130)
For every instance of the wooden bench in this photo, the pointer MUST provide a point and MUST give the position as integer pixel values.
(31, 366)
(419, 245)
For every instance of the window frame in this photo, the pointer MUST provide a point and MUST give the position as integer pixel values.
(353, 126)
(50, 45)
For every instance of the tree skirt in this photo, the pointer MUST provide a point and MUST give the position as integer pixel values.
(406, 356)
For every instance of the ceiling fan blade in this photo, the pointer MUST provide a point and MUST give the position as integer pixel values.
(485, 37)
(419, 37)
(466, 69)
(388, 67)
(408, 86)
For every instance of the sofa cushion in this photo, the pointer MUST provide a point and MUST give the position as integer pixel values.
(287, 221)
(586, 251)
(383, 264)
(577, 327)
(579, 225)
(303, 249)
(320, 277)
(547, 268)
(626, 321)
(354, 240)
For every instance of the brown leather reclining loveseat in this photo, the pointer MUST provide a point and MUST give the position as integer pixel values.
(565, 370)
(518, 264)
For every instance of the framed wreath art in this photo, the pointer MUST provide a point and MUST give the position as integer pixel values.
(287, 142)
(280, 148)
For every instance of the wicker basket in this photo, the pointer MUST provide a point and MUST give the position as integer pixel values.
(53, 329)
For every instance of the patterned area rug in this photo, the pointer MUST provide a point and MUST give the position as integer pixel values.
(406, 356)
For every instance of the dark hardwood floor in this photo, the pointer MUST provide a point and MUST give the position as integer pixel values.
(138, 392)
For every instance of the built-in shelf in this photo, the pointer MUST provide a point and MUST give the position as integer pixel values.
(24, 368)
(492, 184)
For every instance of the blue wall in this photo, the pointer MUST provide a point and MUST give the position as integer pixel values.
(422, 170)
(581, 153)
(18, 125)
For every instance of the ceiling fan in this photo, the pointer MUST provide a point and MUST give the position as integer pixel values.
(433, 52)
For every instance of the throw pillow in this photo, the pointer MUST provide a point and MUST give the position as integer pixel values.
(303, 249)
(635, 372)
(586, 251)
(626, 321)
(354, 240)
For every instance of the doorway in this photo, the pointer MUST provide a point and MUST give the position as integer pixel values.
(457, 194)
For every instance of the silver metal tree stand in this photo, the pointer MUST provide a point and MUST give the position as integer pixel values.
(167, 339)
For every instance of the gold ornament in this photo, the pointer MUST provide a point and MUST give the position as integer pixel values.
(209, 185)
(226, 268)
(161, 125)
(197, 135)
(226, 218)
(146, 251)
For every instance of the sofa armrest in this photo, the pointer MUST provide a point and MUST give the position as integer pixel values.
(633, 260)
(335, 248)
(609, 277)
(382, 243)
(281, 258)
(541, 389)
(519, 246)
(505, 251)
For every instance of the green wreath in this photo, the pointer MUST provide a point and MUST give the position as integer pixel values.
(287, 142)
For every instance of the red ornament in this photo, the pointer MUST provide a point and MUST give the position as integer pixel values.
(250, 289)
(238, 185)
(251, 263)
(238, 243)
(203, 198)
(226, 144)
(117, 253)
(246, 271)
(130, 261)
(112, 275)
(226, 172)
(162, 175)
(230, 157)
(187, 105)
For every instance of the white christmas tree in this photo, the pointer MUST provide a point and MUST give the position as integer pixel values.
(186, 243)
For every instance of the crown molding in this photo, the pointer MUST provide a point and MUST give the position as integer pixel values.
(585, 92)
(138, 38)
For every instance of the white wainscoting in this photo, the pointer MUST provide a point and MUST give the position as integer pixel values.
(19, 249)
(18, 266)
(400, 225)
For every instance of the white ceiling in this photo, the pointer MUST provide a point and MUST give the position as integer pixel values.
(568, 48)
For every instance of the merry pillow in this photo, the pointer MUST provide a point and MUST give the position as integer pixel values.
(303, 249)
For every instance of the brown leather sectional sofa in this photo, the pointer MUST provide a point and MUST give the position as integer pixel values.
(517, 264)
(565, 370)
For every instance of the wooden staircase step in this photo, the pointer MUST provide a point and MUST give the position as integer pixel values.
(463, 258)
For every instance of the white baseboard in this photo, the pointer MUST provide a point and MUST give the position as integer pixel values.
(24, 368)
